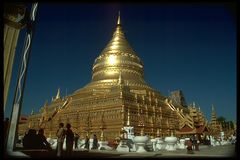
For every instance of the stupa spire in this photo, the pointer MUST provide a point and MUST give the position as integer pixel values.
(119, 19)
(128, 118)
(58, 94)
(213, 117)
(32, 113)
(118, 43)
(213, 109)
(194, 105)
(118, 56)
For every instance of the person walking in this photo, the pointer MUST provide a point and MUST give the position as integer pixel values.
(86, 143)
(189, 146)
(69, 140)
(76, 138)
(197, 143)
(95, 142)
(60, 139)
(193, 141)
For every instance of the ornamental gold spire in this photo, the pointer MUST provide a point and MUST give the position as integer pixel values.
(119, 19)
(213, 108)
(118, 42)
(213, 117)
(128, 118)
(58, 94)
(32, 113)
(118, 56)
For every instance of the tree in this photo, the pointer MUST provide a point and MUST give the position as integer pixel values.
(222, 120)
(230, 124)
(225, 124)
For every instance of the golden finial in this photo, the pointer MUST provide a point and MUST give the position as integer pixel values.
(212, 107)
(32, 113)
(58, 94)
(128, 118)
(142, 128)
(118, 21)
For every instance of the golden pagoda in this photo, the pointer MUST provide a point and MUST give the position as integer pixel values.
(216, 128)
(118, 90)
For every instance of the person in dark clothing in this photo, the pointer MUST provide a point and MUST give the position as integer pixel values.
(188, 143)
(25, 140)
(69, 140)
(86, 143)
(95, 142)
(194, 141)
(42, 142)
(197, 142)
(76, 137)
(29, 140)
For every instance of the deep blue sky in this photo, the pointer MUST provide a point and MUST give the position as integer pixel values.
(187, 47)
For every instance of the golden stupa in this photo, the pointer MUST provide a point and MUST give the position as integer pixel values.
(117, 96)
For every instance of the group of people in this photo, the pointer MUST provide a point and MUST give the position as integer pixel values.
(192, 144)
(61, 134)
(70, 138)
(34, 140)
(95, 142)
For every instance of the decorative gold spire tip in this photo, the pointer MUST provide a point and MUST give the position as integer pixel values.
(119, 19)
(32, 112)
(212, 107)
(58, 94)
(128, 118)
